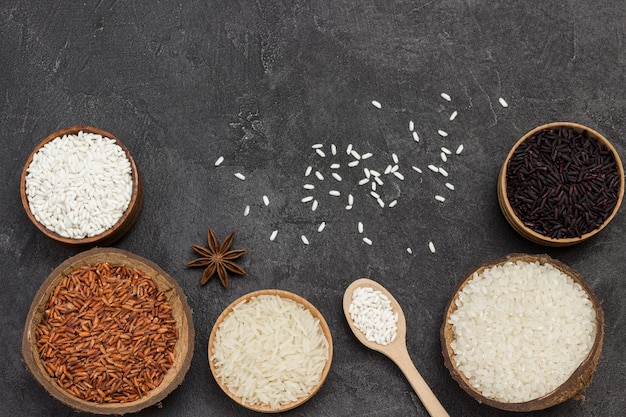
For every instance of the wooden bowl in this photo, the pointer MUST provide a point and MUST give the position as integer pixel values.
(125, 222)
(573, 387)
(519, 225)
(181, 312)
(283, 294)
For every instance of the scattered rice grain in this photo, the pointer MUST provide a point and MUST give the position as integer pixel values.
(376, 104)
(503, 102)
(321, 227)
(446, 97)
(453, 115)
(367, 241)
(273, 235)
(304, 239)
(219, 161)
(431, 246)
(440, 198)
(459, 149)
(442, 133)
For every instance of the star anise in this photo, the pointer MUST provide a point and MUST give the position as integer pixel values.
(218, 257)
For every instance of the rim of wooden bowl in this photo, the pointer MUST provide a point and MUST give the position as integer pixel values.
(180, 310)
(515, 221)
(124, 223)
(283, 294)
(572, 387)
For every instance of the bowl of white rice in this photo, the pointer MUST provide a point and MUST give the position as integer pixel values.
(523, 333)
(270, 350)
(80, 187)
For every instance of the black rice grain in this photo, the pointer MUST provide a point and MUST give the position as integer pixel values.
(562, 183)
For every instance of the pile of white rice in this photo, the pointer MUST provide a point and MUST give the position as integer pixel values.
(79, 185)
(270, 351)
(521, 329)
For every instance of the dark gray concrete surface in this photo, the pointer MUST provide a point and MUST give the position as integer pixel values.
(182, 83)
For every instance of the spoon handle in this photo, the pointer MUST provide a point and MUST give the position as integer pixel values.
(421, 388)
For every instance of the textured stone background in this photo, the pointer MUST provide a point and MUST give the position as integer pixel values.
(182, 83)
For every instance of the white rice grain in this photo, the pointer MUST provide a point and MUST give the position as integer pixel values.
(453, 115)
(442, 133)
(376, 104)
(273, 235)
(459, 149)
(266, 200)
(240, 176)
(334, 193)
(431, 247)
(336, 176)
(446, 97)
(416, 137)
(503, 102)
(440, 198)
(246, 211)
(367, 241)
(304, 239)
(219, 161)
(321, 227)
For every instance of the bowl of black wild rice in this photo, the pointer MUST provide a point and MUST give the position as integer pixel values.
(560, 184)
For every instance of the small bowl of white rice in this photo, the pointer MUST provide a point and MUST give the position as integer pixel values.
(523, 333)
(80, 187)
(270, 350)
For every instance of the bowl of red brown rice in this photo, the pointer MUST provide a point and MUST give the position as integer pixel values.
(523, 333)
(108, 332)
(270, 350)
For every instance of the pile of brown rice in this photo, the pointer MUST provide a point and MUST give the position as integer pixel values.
(521, 329)
(270, 351)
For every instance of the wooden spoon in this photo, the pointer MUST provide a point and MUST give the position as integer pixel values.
(396, 350)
